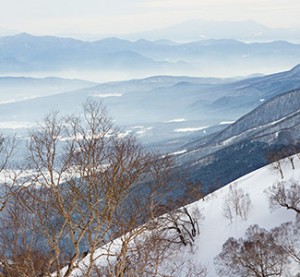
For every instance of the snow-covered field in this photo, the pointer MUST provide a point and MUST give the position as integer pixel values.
(215, 228)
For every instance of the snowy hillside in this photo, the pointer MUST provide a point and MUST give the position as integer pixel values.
(215, 228)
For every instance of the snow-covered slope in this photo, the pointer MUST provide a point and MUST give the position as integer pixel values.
(215, 229)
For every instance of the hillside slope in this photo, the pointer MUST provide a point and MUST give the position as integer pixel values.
(215, 229)
(266, 116)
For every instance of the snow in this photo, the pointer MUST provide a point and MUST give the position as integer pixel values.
(226, 122)
(189, 129)
(215, 229)
(16, 125)
(124, 134)
(176, 120)
(178, 152)
(142, 130)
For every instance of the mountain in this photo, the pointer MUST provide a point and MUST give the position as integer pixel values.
(272, 126)
(187, 120)
(210, 57)
(208, 29)
(15, 89)
(187, 108)
(214, 227)
(270, 117)
(27, 53)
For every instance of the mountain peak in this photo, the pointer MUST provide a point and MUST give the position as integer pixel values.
(23, 35)
(296, 69)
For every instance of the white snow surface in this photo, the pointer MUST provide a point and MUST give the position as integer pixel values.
(215, 229)
(16, 125)
(178, 152)
(226, 122)
(190, 129)
(175, 120)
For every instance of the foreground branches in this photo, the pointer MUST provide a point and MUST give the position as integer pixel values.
(86, 187)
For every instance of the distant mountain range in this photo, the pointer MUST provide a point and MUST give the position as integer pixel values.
(190, 117)
(157, 108)
(197, 29)
(26, 53)
(192, 30)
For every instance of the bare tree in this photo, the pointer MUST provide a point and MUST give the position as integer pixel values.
(257, 255)
(150, 248)
(291, 151)
(236, 203)
(186, 268)
(288, 236)
(22, 252)
(275, 158)
(86, 187)
(291, 159)
(298, 154)
(180, 225)
(286, 195)
(7, 148)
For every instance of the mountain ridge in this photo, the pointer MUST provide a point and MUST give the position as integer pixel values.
(28, 53)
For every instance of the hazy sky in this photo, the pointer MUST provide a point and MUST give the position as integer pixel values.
(126, 16)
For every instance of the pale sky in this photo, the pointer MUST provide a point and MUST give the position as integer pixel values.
(128, 16)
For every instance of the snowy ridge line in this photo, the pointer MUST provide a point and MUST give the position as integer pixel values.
(228, 141)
